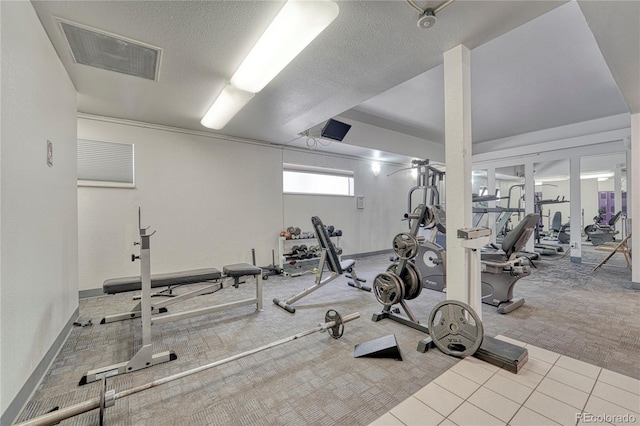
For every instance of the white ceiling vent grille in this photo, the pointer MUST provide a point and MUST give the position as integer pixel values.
(110, 52)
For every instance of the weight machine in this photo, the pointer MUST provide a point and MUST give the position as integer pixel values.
(600, 234)
(452, 326)
(500, 271)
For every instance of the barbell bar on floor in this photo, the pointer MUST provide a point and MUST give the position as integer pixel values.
(108, 398)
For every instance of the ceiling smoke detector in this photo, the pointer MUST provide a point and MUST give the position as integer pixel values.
(427, 19)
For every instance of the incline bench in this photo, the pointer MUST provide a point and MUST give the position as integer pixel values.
(329, 257)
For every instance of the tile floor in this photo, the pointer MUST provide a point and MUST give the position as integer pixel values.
(551, 389)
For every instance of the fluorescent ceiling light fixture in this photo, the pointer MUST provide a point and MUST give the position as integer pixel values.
(225, 107)
(596, 175)
(555, 178)
(295, 26)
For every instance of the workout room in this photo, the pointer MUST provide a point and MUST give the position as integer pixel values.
(319, 212)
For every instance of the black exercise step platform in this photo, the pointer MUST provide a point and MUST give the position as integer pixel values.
(502, 354)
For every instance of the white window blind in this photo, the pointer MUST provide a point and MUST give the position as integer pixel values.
(105, 163)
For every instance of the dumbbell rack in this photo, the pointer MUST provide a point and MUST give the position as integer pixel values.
(283, 244)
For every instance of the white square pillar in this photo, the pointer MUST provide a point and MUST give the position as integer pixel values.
(634, 181)
(575, 210)
(457, 106)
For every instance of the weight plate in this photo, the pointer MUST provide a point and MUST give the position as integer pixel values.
(427, 218)
(337, 330)
(429, 257)
(455, 328)
(410, 278)
(405, 245)
(388, 288)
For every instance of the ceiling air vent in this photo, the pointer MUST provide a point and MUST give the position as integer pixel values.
(111, 52)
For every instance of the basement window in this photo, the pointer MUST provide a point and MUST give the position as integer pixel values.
(298, 179)
(106, 164)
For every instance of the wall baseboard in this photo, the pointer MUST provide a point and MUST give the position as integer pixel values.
(93, 292)
(366, 254)
(17, 405)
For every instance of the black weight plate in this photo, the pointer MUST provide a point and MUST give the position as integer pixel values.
(455, 328)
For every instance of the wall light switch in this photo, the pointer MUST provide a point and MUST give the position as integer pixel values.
(360, 202)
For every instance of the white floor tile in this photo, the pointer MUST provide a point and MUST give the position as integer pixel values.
(472, 371)
(508, 388)
(524, 377)
(572, 379)
(565, 393)
(386, 420)
(620, 381)
(578, 366)
(411, 412)
(494, 404)
(457, 384)
(617, 396)
(468, 414)
(599, 407)
(483, 364)
(447, 422)
(537, 366)
(526, 417)
(438, 398)
(510, 340)
(552, 408)
(542, 354)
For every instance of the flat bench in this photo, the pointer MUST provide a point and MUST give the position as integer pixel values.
(121, 285)
(209, 275)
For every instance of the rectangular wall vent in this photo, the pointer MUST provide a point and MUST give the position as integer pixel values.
(110, 52)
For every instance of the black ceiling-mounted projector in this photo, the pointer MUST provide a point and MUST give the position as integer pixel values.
(335, 130)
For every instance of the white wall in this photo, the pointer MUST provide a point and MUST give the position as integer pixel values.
(38, 232)
(212, 200)
(364, 230)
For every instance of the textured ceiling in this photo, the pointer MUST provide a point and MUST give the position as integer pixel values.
(546, 73)
(372, 47)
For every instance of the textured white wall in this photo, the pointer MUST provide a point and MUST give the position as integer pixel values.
(39, 277)
(213, 200)
(364, 230)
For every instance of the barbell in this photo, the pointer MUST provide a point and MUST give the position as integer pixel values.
(334, 325)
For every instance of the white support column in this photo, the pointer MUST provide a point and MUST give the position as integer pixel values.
(491, 186)
(575, 210)
(529, 197)
(457, 105)
(617, 195)
(633, 181)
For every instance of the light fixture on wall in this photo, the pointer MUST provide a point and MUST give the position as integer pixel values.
(375, 168)
(297, 24)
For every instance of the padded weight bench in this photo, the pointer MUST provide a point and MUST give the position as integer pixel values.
(501, 269)
(329, 258)
(145, 357)
(174, 279)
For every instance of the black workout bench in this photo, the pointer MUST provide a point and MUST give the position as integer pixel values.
(175, 279)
